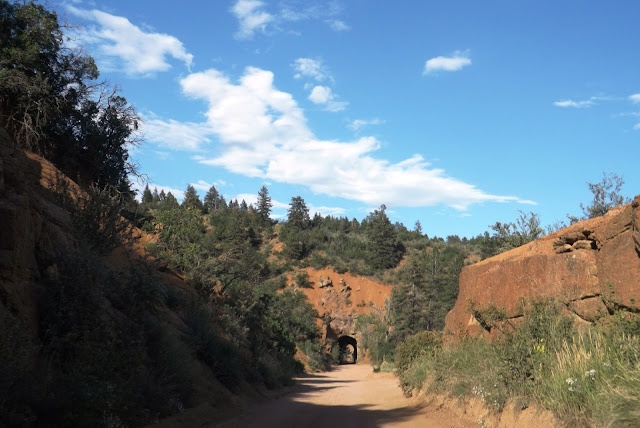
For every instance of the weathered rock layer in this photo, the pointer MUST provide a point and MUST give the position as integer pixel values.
(587, 266)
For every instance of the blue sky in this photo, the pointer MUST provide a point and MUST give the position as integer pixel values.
(456, 113)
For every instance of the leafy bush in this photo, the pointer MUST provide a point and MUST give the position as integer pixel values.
(302, 279)
(318, 359)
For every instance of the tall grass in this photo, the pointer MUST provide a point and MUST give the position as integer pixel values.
(588, 378)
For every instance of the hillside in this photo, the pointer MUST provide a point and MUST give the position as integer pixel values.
(71, 288)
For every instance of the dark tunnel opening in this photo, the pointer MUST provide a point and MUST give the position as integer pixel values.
(348, 350)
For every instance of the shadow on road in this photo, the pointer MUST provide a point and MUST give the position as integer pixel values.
(296, 410)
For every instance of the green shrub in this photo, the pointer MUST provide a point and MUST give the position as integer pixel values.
(318, 359)
(589, 378)
(318, 261)
(407, 358)
(302, 279)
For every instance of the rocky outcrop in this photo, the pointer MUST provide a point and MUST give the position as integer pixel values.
(340, 298)
(587, 266)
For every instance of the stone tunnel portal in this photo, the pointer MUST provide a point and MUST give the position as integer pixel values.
(348, 350)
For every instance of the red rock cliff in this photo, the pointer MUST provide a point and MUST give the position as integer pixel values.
(581, 266)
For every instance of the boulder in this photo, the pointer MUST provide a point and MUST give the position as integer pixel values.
(578, 266)
(325, 282)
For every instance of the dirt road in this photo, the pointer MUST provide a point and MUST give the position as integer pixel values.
(348, 396)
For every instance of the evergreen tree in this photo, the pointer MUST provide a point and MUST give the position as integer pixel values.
(383, 248)
(243, 206)
(156, 197)
(316, 221)
(147, 197)
(298, 213)
(169, 203)
(212, 200)
(418, 227)
(409, 311)
(264, 203)
(191, 199)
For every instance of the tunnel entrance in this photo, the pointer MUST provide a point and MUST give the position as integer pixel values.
(348, 350)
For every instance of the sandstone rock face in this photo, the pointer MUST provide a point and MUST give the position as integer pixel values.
(34, 232)
(583, 266)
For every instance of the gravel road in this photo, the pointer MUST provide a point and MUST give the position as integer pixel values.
(349, 396)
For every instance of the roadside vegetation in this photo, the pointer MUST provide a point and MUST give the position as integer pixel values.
(586, 378)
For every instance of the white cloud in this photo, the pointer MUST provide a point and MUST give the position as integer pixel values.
(574, 104)
(455, 62)
(177, 135)
(325, 211)
(249, 198)
(338, 25)
(359, 123)
(205, 186)
(251, 18)
(264, 134)
(627, 114)
(311, 68)
(636, 126)
(586, 103)
(635, 98)
(125, 47)
(321, 95)
(325, 96)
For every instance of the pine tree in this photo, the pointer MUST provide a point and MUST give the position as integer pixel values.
(384, 249)
(212, 200)
(264, 203)
(418, 227)
(170, 202)
(147, 197)
(298, 213)
(191, 199)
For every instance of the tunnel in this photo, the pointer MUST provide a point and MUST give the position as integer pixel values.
(348, 350)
